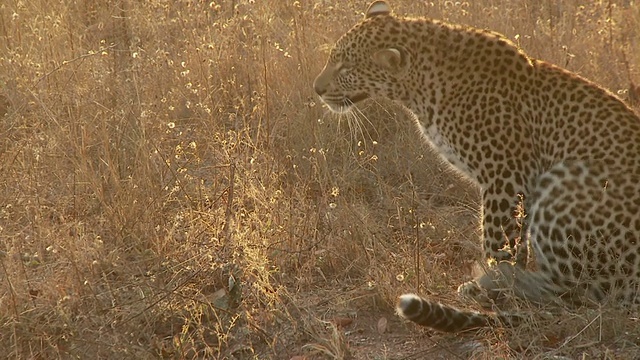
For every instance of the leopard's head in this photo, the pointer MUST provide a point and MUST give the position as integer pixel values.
(368, 61)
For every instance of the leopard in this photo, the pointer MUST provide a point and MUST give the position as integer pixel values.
(533, 137)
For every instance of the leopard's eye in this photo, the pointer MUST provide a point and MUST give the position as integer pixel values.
(344, 68)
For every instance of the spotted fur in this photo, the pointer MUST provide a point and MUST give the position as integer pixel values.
(521, 129)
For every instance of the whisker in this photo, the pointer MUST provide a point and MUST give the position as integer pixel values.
(363, 130)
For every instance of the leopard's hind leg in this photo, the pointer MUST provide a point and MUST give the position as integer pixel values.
(505, 281)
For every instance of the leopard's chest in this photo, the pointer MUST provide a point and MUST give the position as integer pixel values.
(449, 151)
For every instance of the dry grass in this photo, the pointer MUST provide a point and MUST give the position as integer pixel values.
(172, 189)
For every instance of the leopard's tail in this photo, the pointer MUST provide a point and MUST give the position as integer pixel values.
(447, 318)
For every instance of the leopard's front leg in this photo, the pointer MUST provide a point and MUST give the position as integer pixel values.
(503, 226)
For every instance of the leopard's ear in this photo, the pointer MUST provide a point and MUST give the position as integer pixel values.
(390, 58)
(378, 8)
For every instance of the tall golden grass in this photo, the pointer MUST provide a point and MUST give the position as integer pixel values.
(170, 186)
